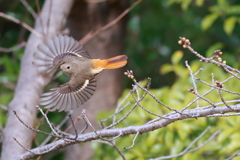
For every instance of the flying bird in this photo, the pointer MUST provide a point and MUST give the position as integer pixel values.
(68, 55)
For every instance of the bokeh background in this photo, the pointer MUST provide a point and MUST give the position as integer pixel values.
(153, 30)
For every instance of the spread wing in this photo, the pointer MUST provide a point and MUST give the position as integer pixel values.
(66, 97)
(50, 55)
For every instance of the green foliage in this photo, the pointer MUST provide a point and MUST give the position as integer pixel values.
(208, 20)
(177, 136)
(221, 9)
(154, 28)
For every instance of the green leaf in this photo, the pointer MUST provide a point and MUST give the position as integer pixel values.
(229, 24)
(199, 3)
(222, 3)
(169, 138)
(166, 68)
(234, 9)
(176, 57)
(185, 4)
(225, 134)
(208, 21)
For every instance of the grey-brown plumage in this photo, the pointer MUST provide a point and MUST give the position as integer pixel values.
(73, 60)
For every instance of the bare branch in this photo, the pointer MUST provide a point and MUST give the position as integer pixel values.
(23, 146)
(221, 97)
(90, 35)
(198, 79)
(133, 141)
(6, 50)
(48, 20)
(235, 155)
(50, 125)
(145, 109)
(193, 81)
(210, 60)
(73, 126)
(40, 18)
(33, 129)
(22, 24)
(172, 117)
(205, 99)
(3, 107)
(57, 127)
(29, 8)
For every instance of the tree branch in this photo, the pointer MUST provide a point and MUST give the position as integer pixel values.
(172, 117)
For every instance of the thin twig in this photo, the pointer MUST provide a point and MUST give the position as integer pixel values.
(157, 100)
(205, 99)
(75, 122)
(187, 106)
(193, 81)
(3, 107)
(75, 130)
(119, 110)
(235, 75)
(33, 129)
(114, 115)
(210, 60)
(90, 35)
(198, 79)
(29, 8)
(50, 125)
(57, 127)
(133, 142)
(124, 117)
(7, 50)
(199, 70)
(22, 24)
(112, 145)
(222, 99)
(23, 146)
(145, 109)
(130, 111)
(235, 155)
(40, 18)
(49, 15)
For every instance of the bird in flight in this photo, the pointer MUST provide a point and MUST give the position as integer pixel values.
(71, 58)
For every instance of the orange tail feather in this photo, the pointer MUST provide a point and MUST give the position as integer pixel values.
(111, 63)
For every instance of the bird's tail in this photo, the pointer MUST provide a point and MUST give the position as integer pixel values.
(111, 63)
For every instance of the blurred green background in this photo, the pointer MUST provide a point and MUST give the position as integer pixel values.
(153, 31)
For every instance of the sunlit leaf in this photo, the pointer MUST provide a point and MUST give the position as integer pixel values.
(166, 68)
(185, 4)
(229, 25)
(199, 3)
(225, 134)
(208, 21)
(176, 57)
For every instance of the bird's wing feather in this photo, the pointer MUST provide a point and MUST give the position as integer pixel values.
(66, 97)
(51, 55)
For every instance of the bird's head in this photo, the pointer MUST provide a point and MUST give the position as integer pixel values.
(68, 68)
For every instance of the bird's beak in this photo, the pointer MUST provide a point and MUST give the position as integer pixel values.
(59, 69)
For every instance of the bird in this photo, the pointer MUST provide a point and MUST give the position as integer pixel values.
(68, 55)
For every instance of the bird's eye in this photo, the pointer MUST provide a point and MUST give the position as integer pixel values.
(68, 67)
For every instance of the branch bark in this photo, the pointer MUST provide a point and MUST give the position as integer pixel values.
(30, 83)
(171, 117)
